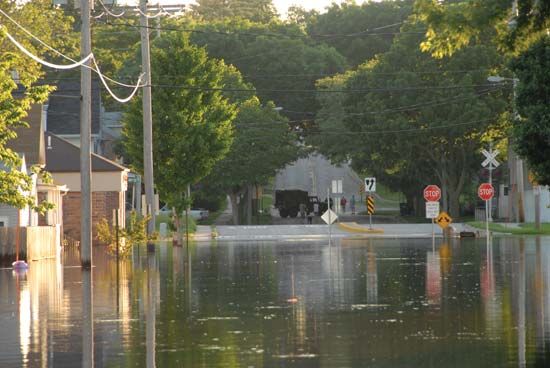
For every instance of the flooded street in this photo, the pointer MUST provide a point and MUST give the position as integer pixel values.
(356, 303)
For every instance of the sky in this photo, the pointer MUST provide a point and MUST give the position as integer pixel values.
(281, 5)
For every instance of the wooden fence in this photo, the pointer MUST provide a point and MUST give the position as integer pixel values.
(35, 243)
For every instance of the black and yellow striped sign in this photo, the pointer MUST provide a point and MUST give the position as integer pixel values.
(370, 205)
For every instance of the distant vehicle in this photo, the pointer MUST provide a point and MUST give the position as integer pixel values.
(288, 202)
(196, 213)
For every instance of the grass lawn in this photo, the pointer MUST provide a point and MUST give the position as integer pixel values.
(166, 218)
(523, 229)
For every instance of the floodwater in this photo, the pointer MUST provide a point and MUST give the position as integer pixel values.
(356, 303)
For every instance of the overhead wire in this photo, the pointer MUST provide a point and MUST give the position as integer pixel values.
(252, 34)
(109, 12)
(75, 64)
(363, 90)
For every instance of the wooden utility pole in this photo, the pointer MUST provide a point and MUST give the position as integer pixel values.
(85, 137)
(147, 121)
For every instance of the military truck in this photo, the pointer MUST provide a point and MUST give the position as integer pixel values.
(288, 202)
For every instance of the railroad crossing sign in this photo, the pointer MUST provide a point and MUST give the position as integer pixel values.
(370, 205)
(432, 193)
(432, 210)
(486, 191)
(370, 184)
(329, 216)
(443, 220)
(490, 158)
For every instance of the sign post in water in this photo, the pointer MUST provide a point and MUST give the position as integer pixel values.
(486, 192)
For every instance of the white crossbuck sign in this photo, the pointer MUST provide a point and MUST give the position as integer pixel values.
(490, 158)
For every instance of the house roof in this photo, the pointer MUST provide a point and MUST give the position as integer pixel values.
(62, 156)
(64, 108)
(30, 140)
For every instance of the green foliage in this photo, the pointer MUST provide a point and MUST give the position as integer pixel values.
(191, 124)
(115, 48)
(453, 25)
(274, 58)
(263, 144)
(261, 11)
(403, 133)
(134, 234)
(369, 26)
(532, 130)
(16, 98)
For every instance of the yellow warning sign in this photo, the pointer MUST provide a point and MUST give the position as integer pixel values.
(370, 205)
(443, 220)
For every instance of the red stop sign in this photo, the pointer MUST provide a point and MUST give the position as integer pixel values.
(486, 191)
(432, 193)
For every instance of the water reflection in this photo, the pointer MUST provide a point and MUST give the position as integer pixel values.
(355, 303)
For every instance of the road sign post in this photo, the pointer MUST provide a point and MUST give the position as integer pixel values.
(370, 209)
(490, 163)
(486, 192)
(370, 187)
(432, 194)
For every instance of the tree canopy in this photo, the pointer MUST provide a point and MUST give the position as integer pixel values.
(532, 131)
(455, 24)
(19, 90)
(359, 32)
(279, 60)
(522, 33)
(191, 120)
(262, 11)
(263, 144)
(410, 119)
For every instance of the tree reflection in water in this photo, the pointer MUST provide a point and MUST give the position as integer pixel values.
(384, 303)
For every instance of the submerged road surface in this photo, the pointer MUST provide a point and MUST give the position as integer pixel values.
(309, 232)
(359, 303)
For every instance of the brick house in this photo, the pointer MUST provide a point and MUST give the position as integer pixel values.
(109, 184)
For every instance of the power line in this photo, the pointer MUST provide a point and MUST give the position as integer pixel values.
(265, 34)
(71, 66)
(365, 90)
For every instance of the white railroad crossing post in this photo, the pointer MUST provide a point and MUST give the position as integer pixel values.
(490, 163)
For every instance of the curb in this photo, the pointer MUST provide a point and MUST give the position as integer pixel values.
(354, 227)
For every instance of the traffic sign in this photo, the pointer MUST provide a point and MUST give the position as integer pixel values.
(329, 216)
(490, 158)
(370, 184)
(443, 220)
(486, 191)
(432, 193)
(432, 210)
(370, 205)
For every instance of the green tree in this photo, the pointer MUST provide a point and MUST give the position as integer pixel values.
(261, 11)
(299, 15)
(19, 90)
(401, 123)
(278, 59)
(359, 32)
(191, 121)
(532, 131)
(456, 24)
(521, 33)
(263, 144)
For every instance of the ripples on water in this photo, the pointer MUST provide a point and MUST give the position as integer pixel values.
(357, 303)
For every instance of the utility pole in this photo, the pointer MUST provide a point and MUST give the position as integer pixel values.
(147, 121)
(85, 136)
(519, 161)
